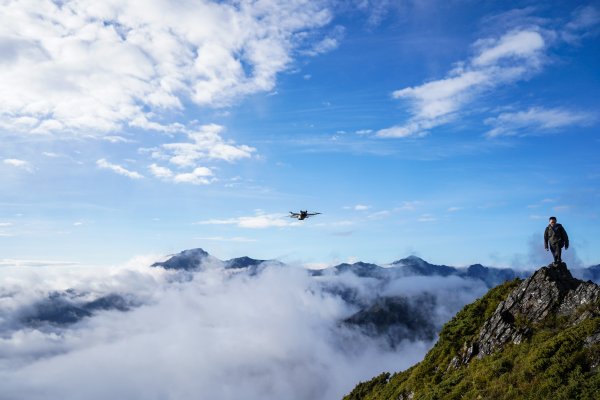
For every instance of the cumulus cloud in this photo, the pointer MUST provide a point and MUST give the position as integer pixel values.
(260, 220)
(199, 176)
(17, 163)
(497, 61)
(536, 120)
(222, 334)
(205, 143)
(103, 164)
(160, 172)
(82, 66)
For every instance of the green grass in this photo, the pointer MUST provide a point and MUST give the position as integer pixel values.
(554, 363)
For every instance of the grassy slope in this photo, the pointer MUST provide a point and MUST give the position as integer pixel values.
(554, 363)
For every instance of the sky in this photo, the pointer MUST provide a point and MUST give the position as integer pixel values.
(450, 130)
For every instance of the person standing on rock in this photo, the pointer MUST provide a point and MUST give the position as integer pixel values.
(555, 236)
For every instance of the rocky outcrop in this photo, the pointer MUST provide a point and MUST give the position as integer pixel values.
(551, 292)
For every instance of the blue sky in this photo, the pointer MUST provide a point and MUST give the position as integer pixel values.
(450, 130)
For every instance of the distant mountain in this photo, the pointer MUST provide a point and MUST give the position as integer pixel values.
(537, 338)
(68, 307)
(193, 259)
(414, 265)
(592, 273)
(363, 270)
(491, 276)
(391, 317)
(186, 260)
(397, 318)
(242, 262)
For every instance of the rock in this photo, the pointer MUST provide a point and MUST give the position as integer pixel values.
(550, 291)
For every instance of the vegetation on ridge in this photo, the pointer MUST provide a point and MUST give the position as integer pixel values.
(555, 362)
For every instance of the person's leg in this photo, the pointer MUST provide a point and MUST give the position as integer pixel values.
(554, 249)
(558, 254)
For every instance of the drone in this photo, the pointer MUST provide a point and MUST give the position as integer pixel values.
(302, 215)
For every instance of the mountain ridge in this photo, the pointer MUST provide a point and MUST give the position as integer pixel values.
(536, 338)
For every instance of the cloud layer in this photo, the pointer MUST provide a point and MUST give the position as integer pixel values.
(223, 334)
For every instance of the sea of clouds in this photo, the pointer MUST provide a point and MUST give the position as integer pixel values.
(213, 333)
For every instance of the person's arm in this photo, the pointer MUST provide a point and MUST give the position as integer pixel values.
(546, 238)
(565, 237)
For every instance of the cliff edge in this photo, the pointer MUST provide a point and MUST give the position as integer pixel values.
(536, 338)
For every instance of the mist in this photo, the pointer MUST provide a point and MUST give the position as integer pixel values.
(212, 333)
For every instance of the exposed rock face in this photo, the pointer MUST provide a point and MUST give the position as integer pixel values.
(550, 291)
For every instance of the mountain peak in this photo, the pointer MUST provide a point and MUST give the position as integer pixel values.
(242, 262)
(413, 265)
(412, 259)
(186, 260)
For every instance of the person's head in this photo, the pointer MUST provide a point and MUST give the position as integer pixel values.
(552, 220)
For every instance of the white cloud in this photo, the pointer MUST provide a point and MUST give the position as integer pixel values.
(380, 214)
(358, 207)
(205, 143)
(409, 205)
(259, 221)
(276, 335)
(160, 172)
(199, 176)
(90, 67)
(536, 120)
(15, 162)
(512, 57)
(585, 22)
(427, 218)
(515, 45)
(117, 139)
(329, 43)
(102, 163)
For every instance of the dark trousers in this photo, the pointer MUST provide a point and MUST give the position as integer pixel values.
(556, 252)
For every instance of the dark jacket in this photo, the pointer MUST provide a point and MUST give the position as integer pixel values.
(556, 236)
